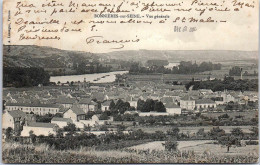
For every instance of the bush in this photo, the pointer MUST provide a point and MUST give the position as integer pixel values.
(171, 144)
(103, 128)
(251, 142)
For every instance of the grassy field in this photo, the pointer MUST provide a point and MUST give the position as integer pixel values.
(17, 153)
(157, 145)
(202, 146)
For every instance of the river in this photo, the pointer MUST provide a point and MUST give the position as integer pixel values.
(92, 78)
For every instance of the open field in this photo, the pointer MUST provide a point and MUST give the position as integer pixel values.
(191, 130)
(157, 145)
(181, 77)
(17, 153)
(246, 115)
(201, 146)
(249, 66)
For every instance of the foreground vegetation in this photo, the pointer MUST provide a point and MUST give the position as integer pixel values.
(17, 153)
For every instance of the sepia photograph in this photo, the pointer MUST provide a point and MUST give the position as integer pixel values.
(127, 82)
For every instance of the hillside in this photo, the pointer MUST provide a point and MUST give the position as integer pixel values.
(47, 57)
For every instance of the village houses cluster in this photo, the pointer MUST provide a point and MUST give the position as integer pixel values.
(73, 103)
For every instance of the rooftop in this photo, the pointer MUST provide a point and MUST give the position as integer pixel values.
(38, 124)
(17, 113)
(171, 105)
(76, 110)
(32, 105)
(205, 101)
(61, 119)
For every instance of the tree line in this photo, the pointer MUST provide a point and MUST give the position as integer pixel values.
(24, 77)
(116, 140)
(228, 83)
(89, 68)
(236, 71)
(185, 67)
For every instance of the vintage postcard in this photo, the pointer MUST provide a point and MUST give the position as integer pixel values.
(130, 81)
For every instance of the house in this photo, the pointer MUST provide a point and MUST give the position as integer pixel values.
(173, 94)
(206, 91)
(98, 96)
(166, 100)
(111, 96)
(75, 114)
(187, 102)
(218, 100)
(250, 96)
(94, 121)
(13, 119)
(66, 102)
(172, 108)
(87, 105)
(39, 109)
(105, 106)
(38, 128)
(61, 122)
(227, 97)
(132, 101)
(205, 104)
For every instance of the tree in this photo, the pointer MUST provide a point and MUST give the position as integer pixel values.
(121, 127)
(103, 128)
(201, 132)
(112, 105)
(121, 106)
(103, 116)
(254, 131)
(9, 132)
(237, 132)
(90, 114)
(229, 141)
(25, 77)
(224, 116)
(59, 133)
(70, 128)
(140, 104)
(148, 106)
(216, 132)
(235, 71)
(171, 144)
(159, 107)
(174, 132)
(87, 128)
(32, 136)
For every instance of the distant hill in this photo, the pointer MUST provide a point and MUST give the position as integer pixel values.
(183, 55)
(47, 57)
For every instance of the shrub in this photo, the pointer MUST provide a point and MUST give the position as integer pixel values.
(251, 142)
(171, 144)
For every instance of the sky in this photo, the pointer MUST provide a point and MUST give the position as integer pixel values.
(240, 32)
